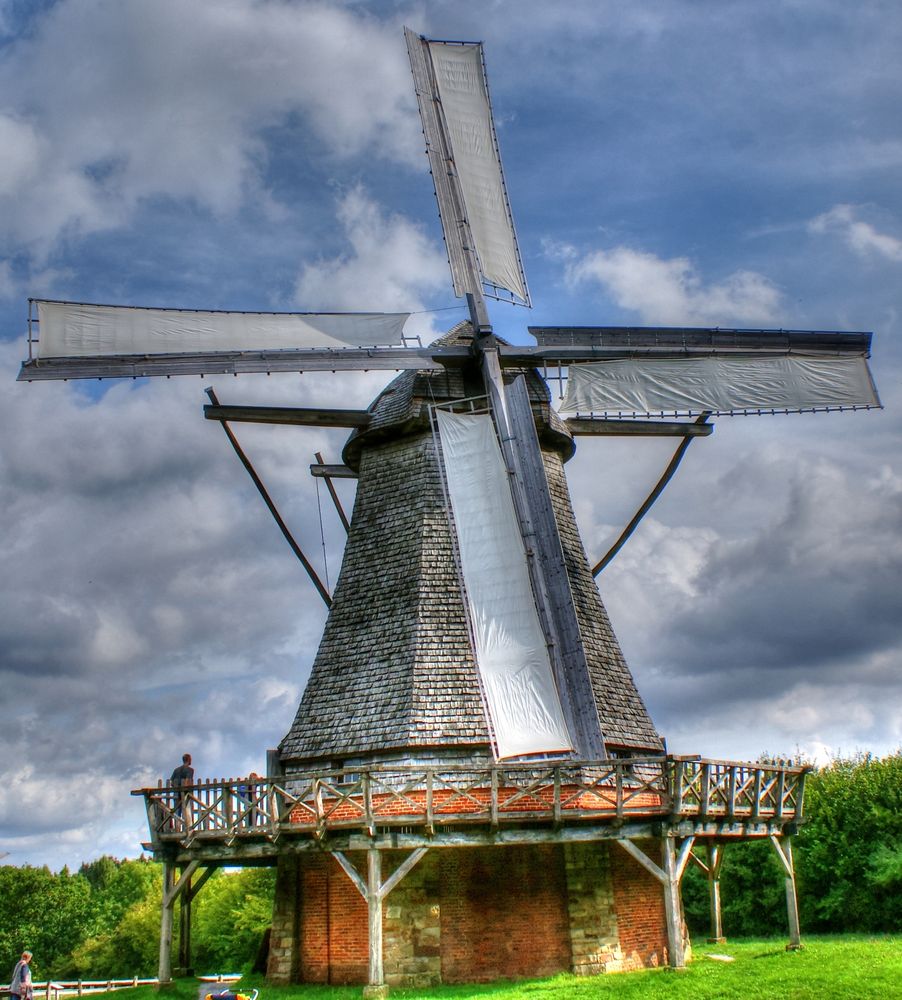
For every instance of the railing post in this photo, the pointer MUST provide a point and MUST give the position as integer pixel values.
(367, 788)
(731, 791)
(430, 817)
(705, 791)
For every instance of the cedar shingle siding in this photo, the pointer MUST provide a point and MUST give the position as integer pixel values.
(395, 671)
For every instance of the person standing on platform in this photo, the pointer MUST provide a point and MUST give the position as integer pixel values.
(182, 777)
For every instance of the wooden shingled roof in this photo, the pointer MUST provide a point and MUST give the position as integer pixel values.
(394, 675)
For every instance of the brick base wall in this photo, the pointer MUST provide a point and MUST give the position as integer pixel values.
(503, 913)
(471, 915)
(639, 902)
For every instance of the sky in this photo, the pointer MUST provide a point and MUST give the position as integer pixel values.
(668, 163)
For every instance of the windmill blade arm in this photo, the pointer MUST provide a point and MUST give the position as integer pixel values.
(462, 146)
(241, 362)
(593, 343)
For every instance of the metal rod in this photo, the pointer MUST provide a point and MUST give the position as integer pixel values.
(644, 509)
(277, 517)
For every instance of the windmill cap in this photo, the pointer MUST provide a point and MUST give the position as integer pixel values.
(402, 408)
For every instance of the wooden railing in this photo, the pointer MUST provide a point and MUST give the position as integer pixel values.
(745, 791)
(82, 987)
(434, 797)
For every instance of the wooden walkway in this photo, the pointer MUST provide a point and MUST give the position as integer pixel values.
(717, 797)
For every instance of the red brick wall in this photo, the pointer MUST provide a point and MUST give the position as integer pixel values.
(503, 913)
(333, 922)
(639, 902)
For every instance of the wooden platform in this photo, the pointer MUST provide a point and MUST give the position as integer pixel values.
(231, 821)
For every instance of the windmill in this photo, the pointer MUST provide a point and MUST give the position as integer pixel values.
(467, 651)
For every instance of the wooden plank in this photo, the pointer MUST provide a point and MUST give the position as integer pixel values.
(406, 866)
(699, 339)
(164, 973)
(636, 428)
(294, 415)
(715, 858)
(336, 502)
(322, 471)
(643, 859)
(374, 915)
(568, 657)
(672, 909)
(352, 873)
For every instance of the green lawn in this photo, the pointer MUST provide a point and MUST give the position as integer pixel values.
(828, 968)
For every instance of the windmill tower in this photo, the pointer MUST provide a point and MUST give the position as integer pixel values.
(472, 786)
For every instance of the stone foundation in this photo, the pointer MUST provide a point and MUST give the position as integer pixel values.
(472, 915)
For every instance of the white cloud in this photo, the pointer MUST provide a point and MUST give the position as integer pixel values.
(174, 101)
(671, 292)
(390, 266)
(861, 237)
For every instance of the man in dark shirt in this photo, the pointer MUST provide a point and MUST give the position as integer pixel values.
(182, 776)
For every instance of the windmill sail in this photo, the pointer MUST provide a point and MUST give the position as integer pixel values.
(510, 644)
(77, 329)
(466, 166)
(719, 385)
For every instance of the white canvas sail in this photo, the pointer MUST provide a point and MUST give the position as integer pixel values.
(719, 384)
(73, 329)
(511, 651)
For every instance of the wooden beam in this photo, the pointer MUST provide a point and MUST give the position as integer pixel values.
(332, 471)
(336, 502)
(351, 872)
(784, 853)
(647, 505)
(164, 969)
(183, 883)
(403, 869)
(277, 517)
(243, 362)
(636, 428)
(672, 905)
(712, 869)
(295, 415)
(551, 584)
(643, 859)
(374, 916)
(626, 341)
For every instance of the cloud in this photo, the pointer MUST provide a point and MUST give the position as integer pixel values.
(175, 101)
(861, 237)
(671, 292)
(391, 263)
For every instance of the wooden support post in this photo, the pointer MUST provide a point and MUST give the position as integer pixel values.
(669, 876)
(715, 857)
(672, 907)
(376, 988)
(374, 891)
(784, 853)
(184, 963)
(164, 972)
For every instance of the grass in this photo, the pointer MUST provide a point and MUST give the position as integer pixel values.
(828, 968)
